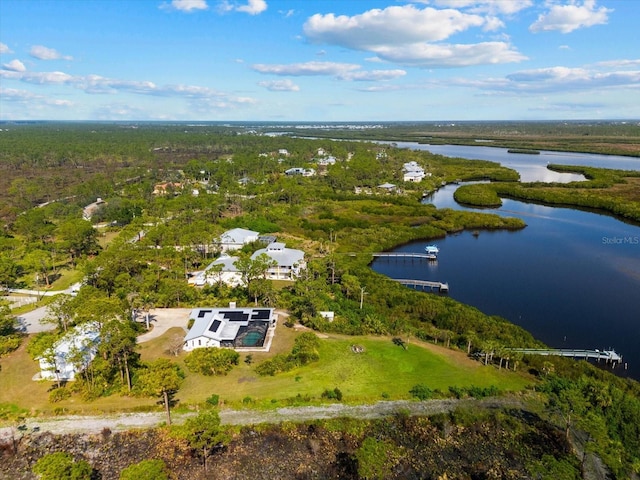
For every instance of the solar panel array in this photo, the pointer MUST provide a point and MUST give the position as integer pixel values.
(215, 325)
(235, 316)
(260, 315)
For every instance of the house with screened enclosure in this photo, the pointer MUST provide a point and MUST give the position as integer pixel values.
(231, 327)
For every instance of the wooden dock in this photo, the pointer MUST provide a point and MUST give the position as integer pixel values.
(412, 255)
(439, 286)
(606, 355)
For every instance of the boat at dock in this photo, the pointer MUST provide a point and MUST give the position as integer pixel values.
(431, 250)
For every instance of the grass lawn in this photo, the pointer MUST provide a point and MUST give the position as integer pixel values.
(382, 368)
(381, 371)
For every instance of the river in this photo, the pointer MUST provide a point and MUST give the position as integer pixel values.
(571, 277)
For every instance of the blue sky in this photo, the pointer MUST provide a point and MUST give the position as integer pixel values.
(328, 60)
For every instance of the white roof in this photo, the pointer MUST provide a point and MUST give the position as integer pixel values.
(222, 324)
(284, 257)
(237, 235)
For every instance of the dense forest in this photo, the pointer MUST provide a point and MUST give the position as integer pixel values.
(166, 192)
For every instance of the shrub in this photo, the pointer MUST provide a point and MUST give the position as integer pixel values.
(421, 392)
(335, 394)
(59, 394)
(145, 470)
(61, 466)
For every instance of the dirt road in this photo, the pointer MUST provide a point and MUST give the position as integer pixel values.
(129, 421)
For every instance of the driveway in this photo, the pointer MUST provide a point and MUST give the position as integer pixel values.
(162, 319)
(32, 321)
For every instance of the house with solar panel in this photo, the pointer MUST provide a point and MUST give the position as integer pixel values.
(231, 327)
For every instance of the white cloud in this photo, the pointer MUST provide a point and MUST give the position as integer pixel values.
(185, 5)
(96, 84)
(342, 71)
(45, 53)
(494, 7)
(4, 48)
(280, 86)
(442, 55)
(308, 68)
(391, 26)
(567, 18)
(23, 96)
(15, 66)
(554, 80)
(412, 36)
(252, 7)
(373, 75)
(620, 63)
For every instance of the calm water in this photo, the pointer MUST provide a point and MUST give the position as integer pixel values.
(571, 278)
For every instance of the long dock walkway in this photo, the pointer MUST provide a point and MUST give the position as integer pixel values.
(412, 255)
(440, 286)
(606, 355)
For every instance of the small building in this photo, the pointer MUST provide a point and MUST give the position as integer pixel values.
(236, 238)
(71, 354)
(288, 262)
(230, 327)
(327, 315)
(387, 187)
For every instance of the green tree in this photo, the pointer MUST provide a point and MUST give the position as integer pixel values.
(61, 311)
(62, 466)
(212, 360)
(119, 346)
(77, 237)
(10, 338)
(252, 269)
(9, 271)
(204, 433)
(160, 378)
(146, 470)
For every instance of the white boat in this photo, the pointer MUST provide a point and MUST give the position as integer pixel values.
(431, 250)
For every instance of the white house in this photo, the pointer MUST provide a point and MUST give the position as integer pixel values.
(413, 172)
(289, 262)
(236, 238)
(227, 274)
(71, 354)
(305, 172)
(229, 327)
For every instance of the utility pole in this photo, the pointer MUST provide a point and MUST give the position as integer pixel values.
(362, 289)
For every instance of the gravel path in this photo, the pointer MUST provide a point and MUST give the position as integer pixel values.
(129, 421)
